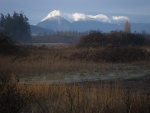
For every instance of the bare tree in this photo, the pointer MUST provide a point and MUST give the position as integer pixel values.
(127, 27)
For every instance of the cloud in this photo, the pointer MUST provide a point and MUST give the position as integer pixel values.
(84, 17)
(100, 17)
(79, 16)
(119, 18)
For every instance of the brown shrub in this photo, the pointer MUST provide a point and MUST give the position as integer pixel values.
(110, 54)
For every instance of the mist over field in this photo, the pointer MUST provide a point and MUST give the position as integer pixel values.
(77, 56)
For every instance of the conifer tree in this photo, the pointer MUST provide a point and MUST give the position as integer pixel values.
(16, 25)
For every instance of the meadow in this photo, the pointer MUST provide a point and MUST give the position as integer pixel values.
(45, 78)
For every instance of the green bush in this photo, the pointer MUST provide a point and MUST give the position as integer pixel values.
(114, 38)
(11, 100)
(125, 39)
(116, 46)
(111, 54)
(123, 54)
(10, 47)
(7, 46)
(93, 39)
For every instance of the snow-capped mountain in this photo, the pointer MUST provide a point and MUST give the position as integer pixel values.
(83, 17)
(56, 20)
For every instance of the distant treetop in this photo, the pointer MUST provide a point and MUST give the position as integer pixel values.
(16, 25)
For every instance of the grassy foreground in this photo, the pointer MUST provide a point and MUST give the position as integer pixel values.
(93, 97)
(74, 98)
(102, 96)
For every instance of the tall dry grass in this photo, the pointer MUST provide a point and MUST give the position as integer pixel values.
(109, 97)
(68, 98)
(45, 61)
(53, 60)
(83, 98)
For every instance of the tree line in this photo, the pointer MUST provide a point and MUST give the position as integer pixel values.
(114, 38)
(16, 26)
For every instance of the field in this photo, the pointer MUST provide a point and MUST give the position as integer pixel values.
(102, 73)
(48, 81)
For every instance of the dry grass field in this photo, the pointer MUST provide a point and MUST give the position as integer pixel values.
(102, 96)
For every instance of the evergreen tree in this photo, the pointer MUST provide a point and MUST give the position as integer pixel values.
(16, 25)
(2, 19)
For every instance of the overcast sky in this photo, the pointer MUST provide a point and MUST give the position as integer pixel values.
(35, 10)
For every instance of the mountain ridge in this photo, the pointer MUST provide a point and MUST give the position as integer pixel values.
(84, 17)
(58, 21)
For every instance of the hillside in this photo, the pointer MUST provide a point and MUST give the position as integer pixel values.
(36, 30)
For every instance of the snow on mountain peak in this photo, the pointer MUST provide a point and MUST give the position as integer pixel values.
(84, 17)
(78, 16)
(52, 14)
(100, 17)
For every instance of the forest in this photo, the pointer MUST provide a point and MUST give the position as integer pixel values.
(16, 26)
